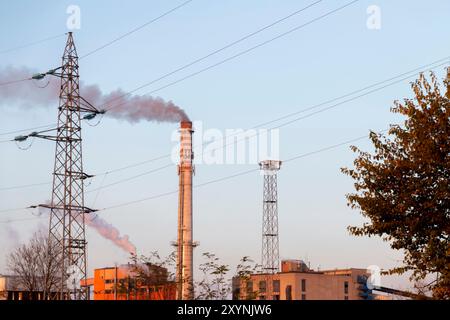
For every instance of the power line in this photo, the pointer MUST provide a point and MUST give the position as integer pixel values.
(25, 186)
(13, 81)
(136, 164)
(91, 52)
(334, 146)
(320, 104)
(239, 173)
(421, 69)
(33, 134)
(351, 99)
(130, 178)
(261, 124)
(97, 49)
(264, 123)
(16, 220)
(242, 52)
(291, 159)
(252, 170)
(275, 127)
(323, 109)
(135, 29)
(32, 43)
(12, 210)
(29, 129)
(215, 51)
(225, 47)
(304, 155)
(96, 189)
(375, 85)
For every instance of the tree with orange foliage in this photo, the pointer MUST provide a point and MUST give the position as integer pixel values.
(403, 188)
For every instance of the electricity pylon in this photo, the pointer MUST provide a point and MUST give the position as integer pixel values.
(67, 211)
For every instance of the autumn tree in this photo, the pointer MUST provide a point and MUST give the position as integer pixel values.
(151, 273)
(214, 284)
(156, 271)
(244, 270)
(35, 265)
(403, 187)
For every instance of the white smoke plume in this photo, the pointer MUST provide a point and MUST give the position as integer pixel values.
(12, 234)
(27, 93)
(45, 92)
(105, 229)
(108, 231)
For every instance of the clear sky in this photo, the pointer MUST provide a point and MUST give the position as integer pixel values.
(321, 61)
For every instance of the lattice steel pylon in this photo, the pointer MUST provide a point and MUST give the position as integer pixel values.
(270, 245)
(67, 210)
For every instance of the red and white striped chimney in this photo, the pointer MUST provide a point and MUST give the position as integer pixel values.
(185, 244)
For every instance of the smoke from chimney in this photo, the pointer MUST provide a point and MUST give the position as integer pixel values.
(45, 92)
(27, 94)
(108, 231)
(105, 229)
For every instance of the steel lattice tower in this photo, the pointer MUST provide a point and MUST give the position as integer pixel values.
(270, 246)
(67, 210)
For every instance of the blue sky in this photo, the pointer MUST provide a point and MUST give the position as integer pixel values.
(324, 60)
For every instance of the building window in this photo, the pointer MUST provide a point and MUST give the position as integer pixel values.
(236, 294)
(346, 287)
(276, 297)
(288, 292)
(303, 285)
(303, 296)
(249, 286)
(346, 298)
(109, 281)
(276, 285)
(262, 286)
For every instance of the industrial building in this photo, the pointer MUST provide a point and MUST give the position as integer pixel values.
(12, 288)
(125, 283)
(297, 282)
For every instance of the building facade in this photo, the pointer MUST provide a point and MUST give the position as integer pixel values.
(12, 288)
(297, 282)
(125, 283)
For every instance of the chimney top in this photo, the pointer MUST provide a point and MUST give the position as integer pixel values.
(186, 124)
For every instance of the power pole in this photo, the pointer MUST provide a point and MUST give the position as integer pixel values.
(270, 247)
(67, 211)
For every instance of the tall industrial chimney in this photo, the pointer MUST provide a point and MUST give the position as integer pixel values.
(184, 274)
